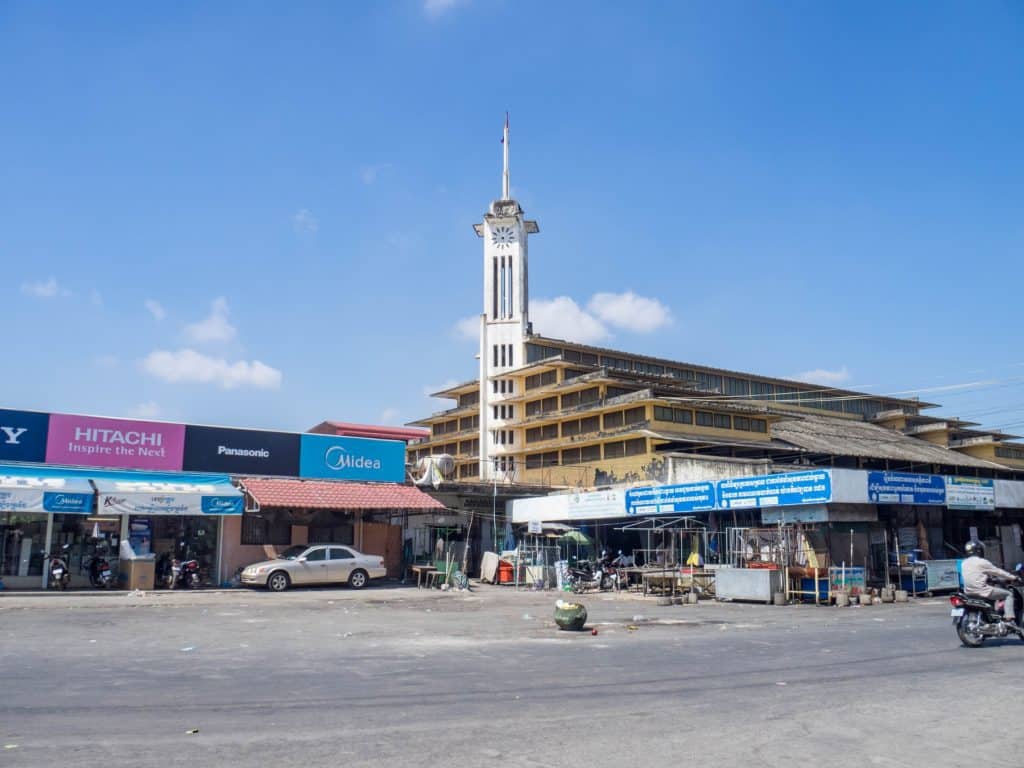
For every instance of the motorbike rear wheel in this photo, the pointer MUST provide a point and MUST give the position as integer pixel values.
(966, 630)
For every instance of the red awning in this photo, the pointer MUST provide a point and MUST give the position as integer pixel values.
(326, 494)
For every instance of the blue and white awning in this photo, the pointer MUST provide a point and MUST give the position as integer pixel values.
(129, 494)
(41, 494)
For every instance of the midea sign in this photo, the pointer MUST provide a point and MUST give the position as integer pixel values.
(352, 458)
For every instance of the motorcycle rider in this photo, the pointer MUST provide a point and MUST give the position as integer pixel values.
(977, 571)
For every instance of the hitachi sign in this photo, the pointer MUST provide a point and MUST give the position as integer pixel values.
(117, 437)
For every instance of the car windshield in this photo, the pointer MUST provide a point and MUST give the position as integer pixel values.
(291, 553)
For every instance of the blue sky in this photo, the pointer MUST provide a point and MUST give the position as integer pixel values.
(259, 214)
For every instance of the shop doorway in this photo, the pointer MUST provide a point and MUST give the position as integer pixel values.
(185, 537)
(22, 549)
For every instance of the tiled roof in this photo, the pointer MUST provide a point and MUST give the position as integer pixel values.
(330, 494)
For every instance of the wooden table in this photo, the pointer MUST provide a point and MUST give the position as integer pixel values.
(421, 571)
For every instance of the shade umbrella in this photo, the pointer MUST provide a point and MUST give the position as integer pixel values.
(576, 537)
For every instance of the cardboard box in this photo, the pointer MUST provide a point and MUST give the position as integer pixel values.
(137, 573)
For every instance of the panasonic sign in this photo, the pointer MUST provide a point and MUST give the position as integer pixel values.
(241, 451)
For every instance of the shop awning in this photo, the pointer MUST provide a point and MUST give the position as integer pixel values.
(36, 493)
(327, 494)
(135, 494)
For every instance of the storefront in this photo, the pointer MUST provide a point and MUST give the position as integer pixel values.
(281, 512)
(172, 516)
(32, 506)
(92, 511)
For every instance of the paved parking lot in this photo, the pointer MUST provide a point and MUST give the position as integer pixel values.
(400, 676)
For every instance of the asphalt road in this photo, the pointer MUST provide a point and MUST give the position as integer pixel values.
(403, 677)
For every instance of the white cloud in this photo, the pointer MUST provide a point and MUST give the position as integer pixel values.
(436, 8)
(389, 416)
(563, 318)
(823, 376)
(44, 289)
(147, 410)
(305, 222)
(468, 328)
(629, 311)
(187, 365)
(214, 327)
(155, 308)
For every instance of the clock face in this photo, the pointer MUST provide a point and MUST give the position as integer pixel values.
(503, 236)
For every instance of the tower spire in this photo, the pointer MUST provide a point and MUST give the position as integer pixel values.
(505, 194)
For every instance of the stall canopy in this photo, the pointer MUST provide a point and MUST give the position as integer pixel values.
(40, 493)
(141, 494)
(328, 494)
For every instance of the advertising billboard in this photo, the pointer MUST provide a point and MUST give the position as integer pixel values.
(98, 442)
(352, 458)
(23, 435)
(240, 451)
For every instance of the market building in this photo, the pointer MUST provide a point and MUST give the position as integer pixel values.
(551, 412)
(222, 496)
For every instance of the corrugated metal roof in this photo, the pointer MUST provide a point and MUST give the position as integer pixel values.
(815, 433)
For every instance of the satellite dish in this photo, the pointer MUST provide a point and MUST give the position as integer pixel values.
(433, 470)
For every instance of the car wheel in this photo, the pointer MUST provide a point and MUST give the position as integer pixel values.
(357, 579)
(278, 581)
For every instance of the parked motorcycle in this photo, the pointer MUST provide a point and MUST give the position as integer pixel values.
(100, 574)
(584, 576)
(976, 618)
(60, 574)
(171, 572)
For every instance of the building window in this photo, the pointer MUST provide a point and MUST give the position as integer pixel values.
(682, 416)
(762, 390)
(741, 423)
(590, 453)
(570, 400)
(737, 387)
(590, 424)
(571, 373)
(570, 428)
(471, 398)
(705, 419)
(636, 447)
(634, 415)
(614, 450)
(571, 456)
(758, 425)
(613, 420)
(661, 413)
(611, 392)
(615, 362)
(264, 531)
(723, 421)
(709, 382)
(537, 352)
(511, 349)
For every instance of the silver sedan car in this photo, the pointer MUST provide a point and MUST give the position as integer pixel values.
(315, 564)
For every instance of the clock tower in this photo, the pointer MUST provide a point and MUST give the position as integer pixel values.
(504, 326)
